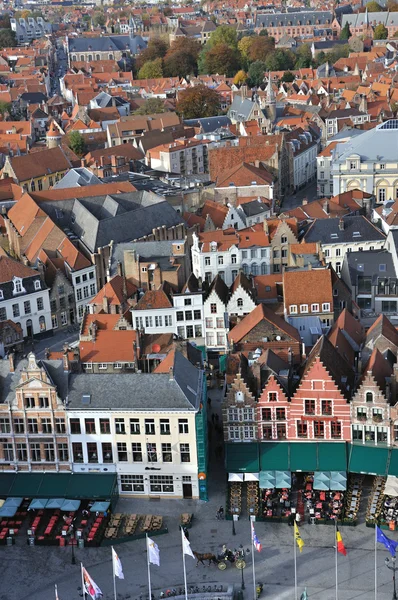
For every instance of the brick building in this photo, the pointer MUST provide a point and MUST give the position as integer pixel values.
(239, 412)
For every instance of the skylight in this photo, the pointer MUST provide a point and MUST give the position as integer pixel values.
(391, 124)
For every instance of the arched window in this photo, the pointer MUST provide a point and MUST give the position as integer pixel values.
(42, 323)
(240, 302)
(90, 58)
(369, 396)
(98, 57)
(254, 269)
(263, 268)
(245, 269)
(82, 57)
(110, 56)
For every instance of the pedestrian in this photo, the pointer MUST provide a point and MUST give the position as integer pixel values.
(298, 518)
(291, 519)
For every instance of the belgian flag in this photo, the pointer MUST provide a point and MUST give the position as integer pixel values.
(339, 542)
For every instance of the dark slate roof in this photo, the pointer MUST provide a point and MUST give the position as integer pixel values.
(293, 18)
(33, 97)
(9, 381)
(368, 263)
(327, 231)
(139, 391)
(105, 100)
(209, 124)
(220, 288)
(256, 207)
(106, 43)
(342, 113)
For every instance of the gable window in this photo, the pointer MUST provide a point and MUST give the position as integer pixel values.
(326, 407)
(302, 429)
(319, 429)
(239, 302)
(266, 414)
(309, 407)
(303, 308)
(272, 396)
(293, 309)
(369, 397)
(326, 307)
(284, 239)
(213, 308)
(314, 307)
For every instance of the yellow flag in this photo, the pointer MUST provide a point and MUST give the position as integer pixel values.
(299, 541)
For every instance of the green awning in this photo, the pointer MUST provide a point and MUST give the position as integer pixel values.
(274, 456)
(303, 456)
(368, 459)
(6, 481)
(332, 456)
(393, 466)
(91, 486)
(54, 485)
(242, 458)
(59, 485)
(27, 485)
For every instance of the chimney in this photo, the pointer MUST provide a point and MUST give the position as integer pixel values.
(171, 374)
(113, 101)
(114, 160)
(14, 129)
(83, 162)
(119, 269)
(105, 305)
(11, 357)
(93, 330)
(124, 288)
(265, 225)
(341, 224)
(304, 202)
(326, 206)
(65, 359)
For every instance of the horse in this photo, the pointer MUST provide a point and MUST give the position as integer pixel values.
(207, 556)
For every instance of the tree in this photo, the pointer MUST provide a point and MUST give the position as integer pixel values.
(182, 58)
(240, 77)
(77, 143)
(152, 106)
(5, 107)
(392, 6)
(288, 77)
(7, 38)
(99, 19)
(280, 60)
(304, 57)
(225, 34)
(263, 32)
(151, 69)
(261, 48)
(345, 33)
(221, 59)
(157, 48)
(244, 45)
(394, 107)
(380, 32)
(256, 73)
(197, 102)
(373, 6)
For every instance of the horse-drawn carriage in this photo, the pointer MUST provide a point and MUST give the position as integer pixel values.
(236, 557)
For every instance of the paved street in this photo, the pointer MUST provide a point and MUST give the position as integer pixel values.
(30, 573)
(295, 200)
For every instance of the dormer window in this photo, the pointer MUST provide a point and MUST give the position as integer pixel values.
(18, 289)
(239, 397)
(353, 165)
(1, 295)
(37, 284)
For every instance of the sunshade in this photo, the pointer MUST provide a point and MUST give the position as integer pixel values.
(235, 477)
(267, 479)
(100, 506)
(337, 486)
(251, 476)
(338, 476)
(13, 502)
(321, 485)
(8, 511)
(321, 480)
(391, 488)
(338, 481)
(283, 479)
(70, 505)
(38, 503)
(55, 503)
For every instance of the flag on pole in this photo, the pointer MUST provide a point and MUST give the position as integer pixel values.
(304, 595)
(298, 538)
(391, 545)
(153, 552)
(340, 544)
(256, 542)
(117, 565)
(56, 592)
(91, 588)
(186, 546)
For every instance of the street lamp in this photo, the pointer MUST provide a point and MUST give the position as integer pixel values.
(72, 538)
(241, 564)
(390, 564)
(234, 518)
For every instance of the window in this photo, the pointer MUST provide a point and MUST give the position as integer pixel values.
(90, 425)
(22, 453)
(77, 452)
(33, 426)
(249, 432)
(180, 315)
(17, 286)
(40, 304)
(197, 314)
(54, 321)
(60, 426)
(49, 452)
(79, 294)
(382, 195)
(92, 452)
(29, 402)
(166, 453)
(149, 427)
(132, 483)
(15, 310)
(314, 307)
(43, 402)
(220, 339)
(168, 321)
(63, 452)
(213, 309)
(220, 260)
(281, 431)
(136, 451)
(35, 454)
(198, 331)
(309, 407)
(122, 452)
(302, 429)
(19, 426)
(161, 483)
(207, 261)
(134, 426)
(158, 321)
(319, 429)
(120, 426)
(5, 426)
(326, 407)
(303, 308)
(107, 452)
(46, 426)
(280, 414)
(284, 239)
(293, 309)
(92, 289)
(8, 452)
(267, 432)
(233, 259)
(188, 315)
(335, 429)
(353, 165)
(382, 167)
(183, 426)
(164, 427)
(151, 452)
(75, 426)
(266, 414)
(26, 307)
(284, 253)
(85, 291)
(209, 339)
(209, 323)
(326, 307)
(220, 323)
(184, 453)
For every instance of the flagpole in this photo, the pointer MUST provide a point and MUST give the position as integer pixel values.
(375, 561)
(149, 569)
(114, 576)
(83, 588)
(295, 562)
(335, 542)
(253, 567)
(183, 563)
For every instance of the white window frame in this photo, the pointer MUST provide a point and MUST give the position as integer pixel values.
(293, 309)
(326, 307)
(304, 308)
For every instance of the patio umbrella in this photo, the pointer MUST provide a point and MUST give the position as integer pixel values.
(8, 511)
(235, 477)
(267, 479)
(251, 476)
(71, 505)
(321, 480)
(1, 502)
(322, 476)
(391, 488)
(337, 486)
(38, 503)
(338, 481)
(321, 485)
(100, 506)
(283, 479)
(13, 502)
(55, 503)
(338, 475)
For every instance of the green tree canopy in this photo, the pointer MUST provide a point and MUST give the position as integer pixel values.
(345, 33)
(221, 59)
(152, 106)
(7, 38)
(151, 70)
(303, 57)
(225, 34)
(98, 19)
(156, 48)
(197, 102)
(288, 77)
(280, 60)
(261, 48)
(380, 32)
(76, 143)
(182, 58)
(373, 6)
(263, 32)
(5, 107)
(256, 73)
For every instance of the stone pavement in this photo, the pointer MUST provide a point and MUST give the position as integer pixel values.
(29, 573)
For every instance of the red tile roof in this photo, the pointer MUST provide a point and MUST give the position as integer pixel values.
(313, 286)
(260, 313)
